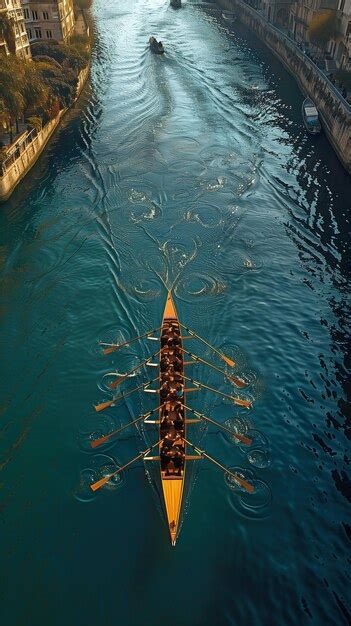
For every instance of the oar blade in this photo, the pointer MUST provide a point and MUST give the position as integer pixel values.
(227, 360)
(103, 405)
(98, 442)
(100, 483)
(239, 382)
(117, 382)
(243, 483)
(243, 439)
(110, 349)
(244, 403)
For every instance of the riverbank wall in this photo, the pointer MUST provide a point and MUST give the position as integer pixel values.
(334, 111)
(30, 146)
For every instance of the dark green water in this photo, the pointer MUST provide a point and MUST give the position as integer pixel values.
(192, 170)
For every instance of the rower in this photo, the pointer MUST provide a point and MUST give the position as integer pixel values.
(179, 390)
(164, 391)
(178, 366)
(164, 363)
(179, 423)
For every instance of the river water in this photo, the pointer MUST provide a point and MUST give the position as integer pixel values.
(191, 171)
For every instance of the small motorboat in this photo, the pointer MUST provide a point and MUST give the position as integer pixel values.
(156, 46)
(310, 117)
(176, 4)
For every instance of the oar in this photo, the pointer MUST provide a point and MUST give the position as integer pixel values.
(237, 436)
(112, 347)
(240, 481)
(101, 440)
(120, 380)
(105, 405)
(237, 381)
(103, 481)
(239, 401)
(222, 356)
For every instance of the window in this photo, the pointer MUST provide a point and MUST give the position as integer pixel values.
(35, 15)
(348, 29)
(45, 15)
(26, 14)
(37, 33)
(29, 31)
(49, 34)
(341, 5)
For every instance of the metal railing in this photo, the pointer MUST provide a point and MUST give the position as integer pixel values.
(17, 149)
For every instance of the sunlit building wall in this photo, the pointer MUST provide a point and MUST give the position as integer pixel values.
(51, 19)
(12, 10)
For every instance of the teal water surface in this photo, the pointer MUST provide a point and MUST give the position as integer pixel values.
(190, 171)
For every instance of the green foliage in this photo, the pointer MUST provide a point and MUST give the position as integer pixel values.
(7, 31)
(80, 39)
(42, 87)
(47, 59)
(322, 28)
(35, 122)
(74, 56)
(83, 4)
(3, 154)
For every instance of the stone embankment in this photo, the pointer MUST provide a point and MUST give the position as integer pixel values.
(29, 147)
(335, 112)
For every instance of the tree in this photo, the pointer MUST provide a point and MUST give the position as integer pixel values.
(83, 4)
(322, 28)
(73, 56)
(11, 92)
(7, 31)
(34, 90)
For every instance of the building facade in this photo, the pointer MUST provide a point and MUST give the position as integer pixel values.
(338, 48)
(51, 19)
(12, 11)
(277, 11)
(301, 14)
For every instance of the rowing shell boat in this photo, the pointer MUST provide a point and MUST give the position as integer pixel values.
(172, 442)
(172, 485)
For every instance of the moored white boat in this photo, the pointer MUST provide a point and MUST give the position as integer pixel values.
(310, 117)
